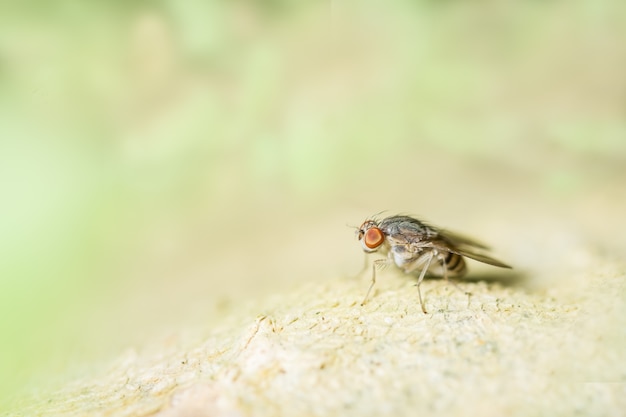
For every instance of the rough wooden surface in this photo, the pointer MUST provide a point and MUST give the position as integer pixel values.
(506, 350)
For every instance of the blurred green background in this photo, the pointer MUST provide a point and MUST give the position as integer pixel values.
(160, 161)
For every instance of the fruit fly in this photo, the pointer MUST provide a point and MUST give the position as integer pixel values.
(411, 245)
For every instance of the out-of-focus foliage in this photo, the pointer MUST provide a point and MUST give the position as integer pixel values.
(144, 143)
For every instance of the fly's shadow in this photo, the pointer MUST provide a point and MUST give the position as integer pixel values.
(506, 278)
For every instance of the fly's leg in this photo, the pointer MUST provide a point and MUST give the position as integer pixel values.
(442, 258)
(378, 263)
(421, 278)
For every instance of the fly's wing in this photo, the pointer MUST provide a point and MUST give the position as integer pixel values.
(480, 257)
(410, 237)
(461, 245)
(460, 240)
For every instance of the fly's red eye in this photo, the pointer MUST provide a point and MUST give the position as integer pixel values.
(374, 238)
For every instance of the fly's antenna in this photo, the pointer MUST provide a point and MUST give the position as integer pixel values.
(356, 229)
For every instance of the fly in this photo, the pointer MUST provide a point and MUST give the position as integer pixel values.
(414, 246)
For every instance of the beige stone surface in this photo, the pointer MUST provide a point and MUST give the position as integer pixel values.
(508, 350)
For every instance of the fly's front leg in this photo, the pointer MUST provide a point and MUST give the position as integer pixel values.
(377, 264)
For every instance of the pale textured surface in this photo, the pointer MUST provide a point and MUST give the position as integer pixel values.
(163, 163)
(316, 351)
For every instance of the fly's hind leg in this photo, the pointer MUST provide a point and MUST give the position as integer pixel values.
(444, 266)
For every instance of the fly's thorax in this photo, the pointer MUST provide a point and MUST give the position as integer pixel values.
(407, 229)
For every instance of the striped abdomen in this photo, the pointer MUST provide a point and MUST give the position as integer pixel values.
(454, 265)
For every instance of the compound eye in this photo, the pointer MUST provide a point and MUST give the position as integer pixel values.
(374, 238)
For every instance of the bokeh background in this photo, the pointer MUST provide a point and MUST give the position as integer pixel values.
(163, 162)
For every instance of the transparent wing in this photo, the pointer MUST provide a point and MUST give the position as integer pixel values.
(480, 257)
(464, 247)
(461, 240)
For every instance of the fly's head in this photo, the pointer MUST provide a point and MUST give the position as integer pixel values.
(370, 236)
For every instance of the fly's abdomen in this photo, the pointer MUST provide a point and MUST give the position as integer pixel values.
(454, 265)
